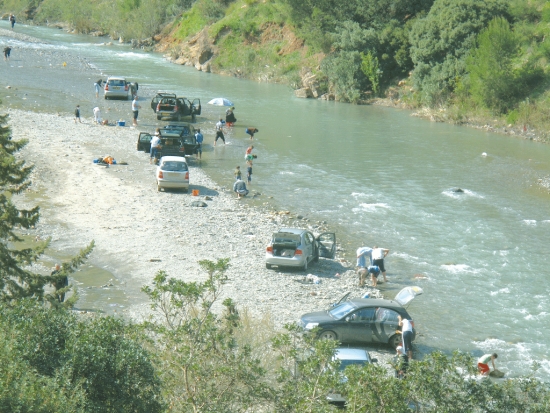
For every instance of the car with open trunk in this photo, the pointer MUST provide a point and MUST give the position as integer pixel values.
(170, 107)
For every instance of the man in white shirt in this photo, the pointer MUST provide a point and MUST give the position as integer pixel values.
(407, 332)
(378, 255)
(155, 141)
(219, 132)
(135, 109)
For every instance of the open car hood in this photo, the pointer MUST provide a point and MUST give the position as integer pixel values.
(407, 294)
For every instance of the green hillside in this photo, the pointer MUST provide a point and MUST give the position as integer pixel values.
(456, 58)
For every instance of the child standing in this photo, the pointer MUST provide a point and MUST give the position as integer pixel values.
(249, 174)
(238, 173)
(77, 114)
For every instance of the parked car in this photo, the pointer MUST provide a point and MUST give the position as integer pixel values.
(172, 172)
(116, 87)
(168, 106)
(178, 140)
(348, 357)
(295, 247)
(364, 320)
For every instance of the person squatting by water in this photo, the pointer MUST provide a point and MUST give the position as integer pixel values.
(483, 363)
(240, 188)
(362, 254)
(7, 51)
(219, 132)
(251, 131)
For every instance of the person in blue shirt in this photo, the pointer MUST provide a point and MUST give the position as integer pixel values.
(199, 138)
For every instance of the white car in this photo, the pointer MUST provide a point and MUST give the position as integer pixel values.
(116, 87)
(173, 172)
(296, 247)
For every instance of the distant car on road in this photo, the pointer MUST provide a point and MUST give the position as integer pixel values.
(296, 247)
(172, 172)
(359, 320)
(169, 106)
(116, 87)
(348, 357)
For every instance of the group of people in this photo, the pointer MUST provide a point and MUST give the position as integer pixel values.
(371, 261)
(239, 186)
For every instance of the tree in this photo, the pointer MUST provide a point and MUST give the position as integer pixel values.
(204, 368)
(15, 281)
(441, 41)
(492, 78)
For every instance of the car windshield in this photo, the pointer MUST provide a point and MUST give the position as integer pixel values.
(345, 363)
(173, 166)
(341, 310)
(116, 82)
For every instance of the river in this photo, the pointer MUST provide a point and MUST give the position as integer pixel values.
(377, 176)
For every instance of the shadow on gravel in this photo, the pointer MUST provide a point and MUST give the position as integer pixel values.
(325, 268)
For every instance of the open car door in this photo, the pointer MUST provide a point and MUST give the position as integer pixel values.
(144, 142)
(196, 107)
(407, 294)
(158, 97)
(327, 244)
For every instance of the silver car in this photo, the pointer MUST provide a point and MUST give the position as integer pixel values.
(116, 87)
(296, 247)
(347, 357)
(172, 172)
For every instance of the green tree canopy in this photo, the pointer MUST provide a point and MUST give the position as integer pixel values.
(441, 41)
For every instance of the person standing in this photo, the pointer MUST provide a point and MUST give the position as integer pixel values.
(7, 51)
(407, 332)
(362, 254)
(155, 142)
(97, 86)
(135, 109)
(12, 20)
(251, 131)
(230, 118)
(199, 138)
(378, 255)
(249, 174)
(483, 363)
(219, 132)
(77, 114)
(238, 173)
(97, 115)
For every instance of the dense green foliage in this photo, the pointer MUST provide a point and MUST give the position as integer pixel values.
(55, 362)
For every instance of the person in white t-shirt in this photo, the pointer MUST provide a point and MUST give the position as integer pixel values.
(378, 255)
(407, 331)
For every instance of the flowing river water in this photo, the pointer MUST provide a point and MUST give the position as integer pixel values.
(377, 176)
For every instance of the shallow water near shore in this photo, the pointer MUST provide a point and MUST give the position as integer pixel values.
(376, 175)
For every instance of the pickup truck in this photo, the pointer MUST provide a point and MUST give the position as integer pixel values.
(175, 140)
(169, 106)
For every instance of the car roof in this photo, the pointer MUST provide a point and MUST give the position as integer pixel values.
(376, 302)
(116, 78)
(297, 231)
(351, 354)
(173, 159)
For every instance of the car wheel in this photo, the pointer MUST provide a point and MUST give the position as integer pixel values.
(316, 257)
(193, 118)
(395, 340)
(305, 265)
(159, 117)
(328, 335)
(158, 187)
(268, 266)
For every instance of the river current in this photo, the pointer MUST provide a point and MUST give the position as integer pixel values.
(379, 177)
